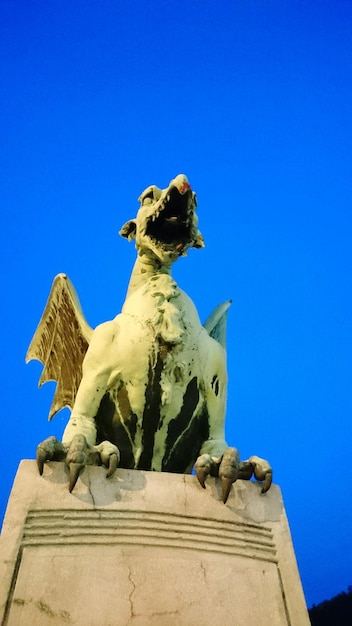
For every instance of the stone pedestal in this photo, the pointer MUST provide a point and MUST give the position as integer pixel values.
(144, 548)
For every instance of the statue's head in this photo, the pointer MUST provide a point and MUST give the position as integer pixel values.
(166, 224)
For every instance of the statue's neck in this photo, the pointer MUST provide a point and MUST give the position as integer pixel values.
(144, 268)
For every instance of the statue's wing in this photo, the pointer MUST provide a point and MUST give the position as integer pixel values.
(216, 322)
(60, 343)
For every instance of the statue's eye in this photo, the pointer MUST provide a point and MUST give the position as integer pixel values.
(147, 200)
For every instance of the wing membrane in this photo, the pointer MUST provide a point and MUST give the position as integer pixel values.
(216, 323)
(60, 343)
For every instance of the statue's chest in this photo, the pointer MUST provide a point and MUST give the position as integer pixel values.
(159, 331)
(161, 310)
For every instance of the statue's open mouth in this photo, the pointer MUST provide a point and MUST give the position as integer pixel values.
(171, 226)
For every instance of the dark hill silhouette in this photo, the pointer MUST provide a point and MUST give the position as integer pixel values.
(334, 612)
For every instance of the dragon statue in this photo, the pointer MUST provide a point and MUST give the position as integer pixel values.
(148, 389)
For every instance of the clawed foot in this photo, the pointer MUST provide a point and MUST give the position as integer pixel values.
(77, 455)
(229, 468)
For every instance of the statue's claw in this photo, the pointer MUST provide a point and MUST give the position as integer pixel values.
(110, 456)
(51, 449)
(229, 471)
(113, 463)
(75, 469)
(205, 466)
(262, 471)
(40, 454)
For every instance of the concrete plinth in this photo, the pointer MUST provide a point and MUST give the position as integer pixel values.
(144, 548)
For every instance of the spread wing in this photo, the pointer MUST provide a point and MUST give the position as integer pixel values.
(60, 343)
(216, 322)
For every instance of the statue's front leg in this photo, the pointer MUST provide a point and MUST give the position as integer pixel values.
(78, 446)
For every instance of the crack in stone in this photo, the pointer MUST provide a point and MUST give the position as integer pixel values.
(204, 572)
(168, 613)
(89, 486)
(130, 579)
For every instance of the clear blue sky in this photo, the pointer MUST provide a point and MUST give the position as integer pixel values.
(252, 100)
